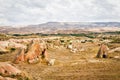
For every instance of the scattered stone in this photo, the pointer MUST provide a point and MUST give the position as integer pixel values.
(117, 57)
(115, 50)
(51, 62)
(3, 50)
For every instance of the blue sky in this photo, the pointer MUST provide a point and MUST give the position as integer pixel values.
(24, 12)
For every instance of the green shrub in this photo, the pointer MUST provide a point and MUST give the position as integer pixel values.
(12, 49)
(116, 40)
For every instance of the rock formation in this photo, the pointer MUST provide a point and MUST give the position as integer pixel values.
(35, 52)
(20, 56)
(3, 50)
(103, 50)
(10, 72)
(6, 78)
(7, 69)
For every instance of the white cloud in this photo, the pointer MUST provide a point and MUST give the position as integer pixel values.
(20, 12)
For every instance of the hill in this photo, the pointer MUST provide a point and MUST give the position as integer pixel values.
(63, 27)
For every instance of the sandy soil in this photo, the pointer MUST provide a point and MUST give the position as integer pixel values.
(72, 66)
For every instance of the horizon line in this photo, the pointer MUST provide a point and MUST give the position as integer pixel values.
(23, 25)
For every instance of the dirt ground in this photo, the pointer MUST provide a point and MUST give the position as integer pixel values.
(72, 66)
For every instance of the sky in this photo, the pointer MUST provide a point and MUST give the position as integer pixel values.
(26, 12)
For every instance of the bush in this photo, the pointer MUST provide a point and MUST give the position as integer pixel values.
(12, 49)
(62, 41)
(116, 40)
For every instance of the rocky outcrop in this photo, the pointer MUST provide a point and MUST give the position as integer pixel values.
(10, 72)
(20, 56)
(7, 69)
(3, 50)
(103, 50)
(10, 44)
(35, 51)
(114, 50)
(6, 78)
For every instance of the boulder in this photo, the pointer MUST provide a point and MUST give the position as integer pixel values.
(10, 72)
(16, 45)
(103, 50)
(7, 69)
(4, 44)
(36, 49)
(33, 53)
(3, 50)
(20, 56)
(51, 62)
(11, 44)
(114, 50)
(6, 78)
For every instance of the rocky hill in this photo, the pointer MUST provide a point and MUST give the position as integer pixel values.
(64, 27)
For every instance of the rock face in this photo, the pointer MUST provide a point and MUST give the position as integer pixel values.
(7, 69)
(20, 56)
(10, 44)
(35, 52)
(3, 50)
(10, 72)
(102, 51)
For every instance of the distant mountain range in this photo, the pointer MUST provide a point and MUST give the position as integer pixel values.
(63, 27)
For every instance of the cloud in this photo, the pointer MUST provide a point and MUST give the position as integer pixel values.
(23, 12)
(105, 10)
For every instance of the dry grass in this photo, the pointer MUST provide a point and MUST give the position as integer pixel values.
(72, 66)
